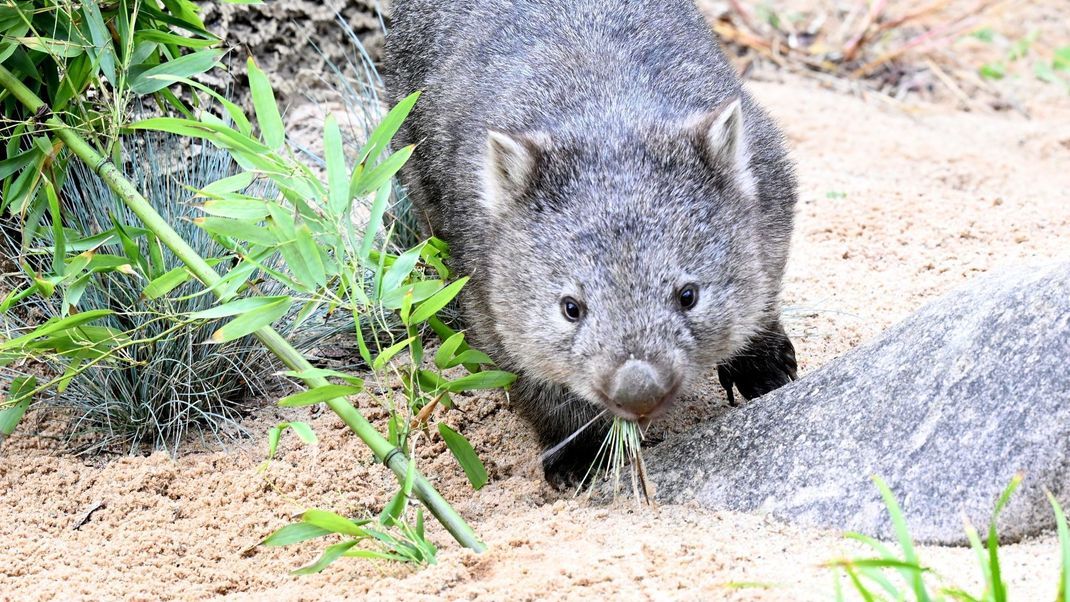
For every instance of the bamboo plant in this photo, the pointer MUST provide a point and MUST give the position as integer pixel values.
(312, 227)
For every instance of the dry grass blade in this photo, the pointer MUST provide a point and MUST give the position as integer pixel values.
(867, 42)
(621, 449)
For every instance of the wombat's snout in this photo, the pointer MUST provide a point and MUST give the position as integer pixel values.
(640, 389)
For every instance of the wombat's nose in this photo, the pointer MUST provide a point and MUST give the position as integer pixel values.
(639, 387)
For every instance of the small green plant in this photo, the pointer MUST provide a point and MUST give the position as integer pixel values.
(1048, 70)
(332, 262)
(891, 574)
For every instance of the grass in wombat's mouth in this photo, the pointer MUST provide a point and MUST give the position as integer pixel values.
(622, 449)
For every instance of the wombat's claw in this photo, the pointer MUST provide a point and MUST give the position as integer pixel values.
(726, 382)
(767, 364)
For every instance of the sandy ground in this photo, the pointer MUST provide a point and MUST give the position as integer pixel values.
(899, 204)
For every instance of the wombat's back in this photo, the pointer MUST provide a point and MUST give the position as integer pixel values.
(578, 66)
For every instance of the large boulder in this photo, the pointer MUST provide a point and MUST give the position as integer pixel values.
(946, 407)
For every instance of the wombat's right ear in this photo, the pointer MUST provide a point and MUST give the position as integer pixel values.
(509, 166)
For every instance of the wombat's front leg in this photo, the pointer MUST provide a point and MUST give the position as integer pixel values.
(767, 363)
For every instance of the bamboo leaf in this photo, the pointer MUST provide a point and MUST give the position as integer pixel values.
(267, 110)
(330, 554)
(488, 379)
(251, 321)
(239, 229)
(375, 221)
(295, 533)
(234, 183)
(333, 153)
(466, 456)
(334, 523)
(52, 46)
(237, 307)
(437, 302)
(325, 373)
(18, 400)
(387, 128)
(319, 395)
(401, 269)
(157, 77)
(381, 173)
(56, 325)
(447, 350)
(389, 353)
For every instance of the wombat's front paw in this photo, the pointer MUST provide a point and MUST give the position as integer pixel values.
(766, 364)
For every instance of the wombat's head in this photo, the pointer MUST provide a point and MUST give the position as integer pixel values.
(626, 262)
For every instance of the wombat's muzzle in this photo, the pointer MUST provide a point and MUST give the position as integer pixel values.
(640, 389)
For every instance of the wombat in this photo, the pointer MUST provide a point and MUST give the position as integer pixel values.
(623, 206)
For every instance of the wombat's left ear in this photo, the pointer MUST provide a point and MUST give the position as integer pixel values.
(719, 134)
(509, 167)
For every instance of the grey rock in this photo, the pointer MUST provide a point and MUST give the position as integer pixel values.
(946, 407)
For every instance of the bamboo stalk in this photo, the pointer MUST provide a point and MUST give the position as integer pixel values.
(110, 174)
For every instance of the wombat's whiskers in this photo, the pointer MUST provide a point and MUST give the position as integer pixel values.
(546, 455)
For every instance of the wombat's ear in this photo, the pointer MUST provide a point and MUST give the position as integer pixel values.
(720, 136)
(510, 164)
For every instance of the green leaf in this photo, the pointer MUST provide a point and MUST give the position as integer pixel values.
(400, 270)
(387, 128)
(1061, 59)
(381, 174)
(334, 523)
(267, 110)
(239, 306)
(466, 456)
(325, 373)
(310, 253)
(55, 325)
(301, 429)
(375, 221)
(319, 395)
(157, 77)
(993, 71)
(997, 586)
(304, 432)
(163, 37)
(239, 229)
(14, 407)
(389, 353)
(295, 533)
(52, 46)
(333, 153)
(488, 379)
(417, 291)
(470, 357)
(240, 207)
(985, 34)
(331, 554)
(234, 183)
(251, 321)
(1063, 594)
(899, 525)
(448, 350)
(13, 164)
(437, 302)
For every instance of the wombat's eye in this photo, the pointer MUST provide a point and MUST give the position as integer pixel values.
(572, 309)
(687, 297)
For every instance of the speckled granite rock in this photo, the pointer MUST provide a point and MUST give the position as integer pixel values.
(946, 406)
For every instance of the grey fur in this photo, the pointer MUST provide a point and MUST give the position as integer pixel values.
(611, 190)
